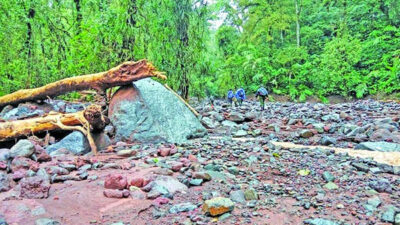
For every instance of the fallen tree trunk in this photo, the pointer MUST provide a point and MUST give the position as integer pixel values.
(118, 76)
(83, 121)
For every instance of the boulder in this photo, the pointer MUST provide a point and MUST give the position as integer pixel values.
(23, 148)
(380, 146)
(75, 143)
(148, 112)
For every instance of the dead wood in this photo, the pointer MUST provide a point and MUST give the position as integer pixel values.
(84, 121)
(121, 75)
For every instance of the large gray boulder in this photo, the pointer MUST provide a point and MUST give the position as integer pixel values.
(380, 146)
(148, 112)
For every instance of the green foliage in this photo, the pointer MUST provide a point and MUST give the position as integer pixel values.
(347, 48)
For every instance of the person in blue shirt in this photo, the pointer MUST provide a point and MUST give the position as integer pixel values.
(262, 94)
(231, 96)
(240, 96)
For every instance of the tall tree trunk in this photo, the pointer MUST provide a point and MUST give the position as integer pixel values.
(298, 4)
(78, 15)
(128, 41)
(28, 45)
(182, 23)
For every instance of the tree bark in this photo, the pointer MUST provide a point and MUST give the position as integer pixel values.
(28, 45)
(78, 15)
(84, 121)
(298, 11)
(121, 75)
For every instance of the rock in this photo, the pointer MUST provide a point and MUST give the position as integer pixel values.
(240, 133)
(237, 196)
(4, 154)
(163, 151)
(21, 162)
(75, 143)
(102, 140)
(209, 123)
(372, 204)
(331, 186)
(113, 193)
(331, 117)
(170, 184)
(5, 182)
(137, 182)
(126, 153)
(320, 222)
(218, 206)
(34, 188)
(23, 148)
(326, 140)
(328, 177)
(176, 166)
(46, 221)
(183, 207)
(201, 175)
(250, 194)
(52, 170)
(306, 133)
(361, 167)
(388, 214)
(41, 154)
(236, 117)
(381, 185)
(379, 146)
(229, 124)
(148, 112)
(196, 182)
(397, 219)
(115, 181)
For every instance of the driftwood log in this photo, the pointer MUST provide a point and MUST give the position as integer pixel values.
(84, 121)
(121, 75)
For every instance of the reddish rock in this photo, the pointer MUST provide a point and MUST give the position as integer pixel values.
(160, 201)
(19, 174)
(41, 154)
(109, 193)
(137, 182)
(21, 162)
(186, 162)
(327, 128)
(192, 158)
(3, 165)
(176, 166)
(164, 151)
(147, 180)
(34, 188)
(115, 181)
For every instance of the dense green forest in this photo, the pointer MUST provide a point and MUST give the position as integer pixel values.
(298, 48)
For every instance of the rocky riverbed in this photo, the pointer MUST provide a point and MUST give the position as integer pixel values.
(237, 174)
